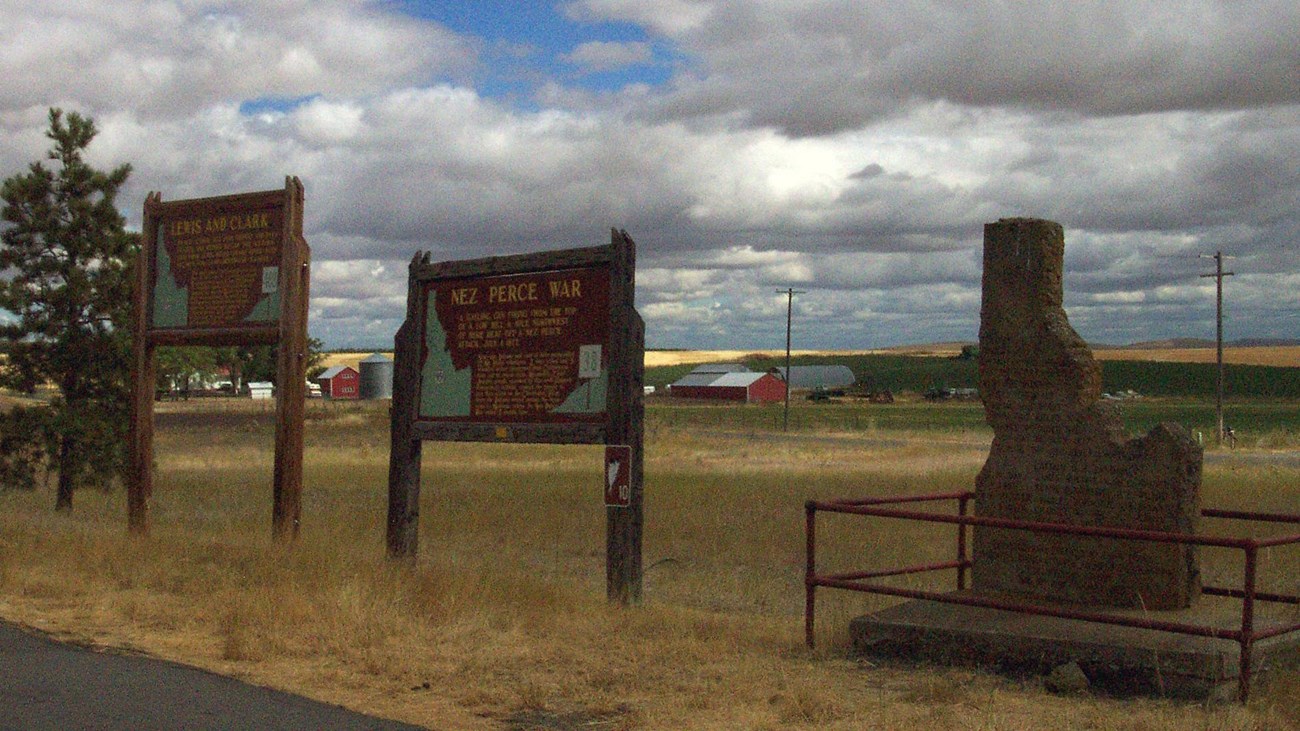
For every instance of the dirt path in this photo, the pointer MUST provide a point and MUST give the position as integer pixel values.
(50, 685)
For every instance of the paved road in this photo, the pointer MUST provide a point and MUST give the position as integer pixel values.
(48, 685)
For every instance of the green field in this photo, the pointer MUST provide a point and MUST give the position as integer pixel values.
(901, 373)
(1257, 423)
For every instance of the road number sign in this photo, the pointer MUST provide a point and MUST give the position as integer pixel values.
(618, 476)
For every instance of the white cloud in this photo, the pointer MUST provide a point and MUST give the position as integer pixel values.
(850, 150)
(172, 58)
(818, 67)
(598, 56)
(669, 17)
(327, 123)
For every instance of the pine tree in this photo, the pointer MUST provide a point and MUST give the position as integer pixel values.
(67, 261)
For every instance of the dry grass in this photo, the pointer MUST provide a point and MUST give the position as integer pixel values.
(349, 359)
(1288, 356)
(1269, 356)
(655, 358)
(502, 622)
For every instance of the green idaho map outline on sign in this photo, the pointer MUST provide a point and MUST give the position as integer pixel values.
(267, 307)
(444, 390)
(588, 398)
(171, 302)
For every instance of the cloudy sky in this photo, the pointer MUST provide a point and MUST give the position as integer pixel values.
(850, 148)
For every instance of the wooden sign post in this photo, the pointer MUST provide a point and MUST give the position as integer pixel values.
(230, 270)
(540, 347)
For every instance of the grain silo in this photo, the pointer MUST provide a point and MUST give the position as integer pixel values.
(376, 377)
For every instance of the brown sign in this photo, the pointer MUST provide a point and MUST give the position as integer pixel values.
(543, 347)
(228, 270)
(216, 262)
(530, 347)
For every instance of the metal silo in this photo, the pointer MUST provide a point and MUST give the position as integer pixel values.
(376, 377)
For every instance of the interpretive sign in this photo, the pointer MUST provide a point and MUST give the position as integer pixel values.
(540, 347)
(521, 348)
(228, 270)
(218, 267)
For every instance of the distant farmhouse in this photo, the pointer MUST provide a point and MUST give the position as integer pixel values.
(729, 382)
(340, 382)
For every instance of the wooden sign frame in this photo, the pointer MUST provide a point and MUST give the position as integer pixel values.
(620, 423)
(230, 241)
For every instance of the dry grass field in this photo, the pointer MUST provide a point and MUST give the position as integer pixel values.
(1288, 355)
(1266, 356)
(653, 358)
(502, 623)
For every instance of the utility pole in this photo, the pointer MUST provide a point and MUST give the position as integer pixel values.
(789, 312)
(1218, 275)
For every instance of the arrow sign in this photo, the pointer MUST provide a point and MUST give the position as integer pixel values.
(618, 476)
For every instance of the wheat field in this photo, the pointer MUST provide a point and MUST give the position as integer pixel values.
(502, 622)
(1288, 356)
(1278, 355)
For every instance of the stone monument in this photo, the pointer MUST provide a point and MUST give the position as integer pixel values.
(1059, 452)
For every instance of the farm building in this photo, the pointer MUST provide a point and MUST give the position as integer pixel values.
(817, 376)
(377, 377)
(729, 382)
(261, 390)
(703, 376)
(340, 382)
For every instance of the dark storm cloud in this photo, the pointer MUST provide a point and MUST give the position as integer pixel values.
(823, 67)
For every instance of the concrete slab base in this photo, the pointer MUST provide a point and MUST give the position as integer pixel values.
(1118, 660)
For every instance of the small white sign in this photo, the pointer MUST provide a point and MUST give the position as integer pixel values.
(588, 361)
(270, 279)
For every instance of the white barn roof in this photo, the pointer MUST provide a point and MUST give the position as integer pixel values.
(695, 379)
(733, 380)
(333, 371)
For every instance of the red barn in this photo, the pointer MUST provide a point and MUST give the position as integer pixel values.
(747, 386)
(340, 382)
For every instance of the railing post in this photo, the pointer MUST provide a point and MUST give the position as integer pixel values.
(961, 542)
(1247, 622)
(810, 573)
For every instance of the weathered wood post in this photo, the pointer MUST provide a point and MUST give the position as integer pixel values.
(139, 485)
(406, 447)
(626, 424)
(291, 368)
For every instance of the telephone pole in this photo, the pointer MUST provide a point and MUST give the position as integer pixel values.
(789, 293)
(1218, 275)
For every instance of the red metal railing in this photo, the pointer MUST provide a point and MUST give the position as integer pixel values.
(1245, 636)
